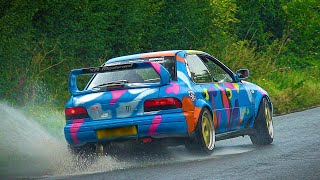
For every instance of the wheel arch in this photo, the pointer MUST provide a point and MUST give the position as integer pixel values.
(262, 135)
(259, 102)
(257, 106)
(203, 104)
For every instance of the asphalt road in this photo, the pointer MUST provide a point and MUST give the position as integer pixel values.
(294, 154)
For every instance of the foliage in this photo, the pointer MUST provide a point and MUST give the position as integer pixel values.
(260, 21)
(303, 27)
(41, 41)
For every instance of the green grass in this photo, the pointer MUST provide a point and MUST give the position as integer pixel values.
(49, 117)
(292, 90)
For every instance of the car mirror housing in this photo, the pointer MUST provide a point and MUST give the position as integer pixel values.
(243, 74)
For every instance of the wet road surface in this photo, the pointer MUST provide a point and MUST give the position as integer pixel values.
(294, 154)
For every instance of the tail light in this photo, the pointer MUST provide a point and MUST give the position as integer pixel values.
(76, 113)
(161, 104)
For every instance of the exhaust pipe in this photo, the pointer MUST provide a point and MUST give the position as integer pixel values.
(99, 149)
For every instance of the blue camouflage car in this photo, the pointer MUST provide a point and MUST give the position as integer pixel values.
(185, 95)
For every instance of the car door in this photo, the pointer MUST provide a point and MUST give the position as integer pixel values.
(215, 93)
(239, 103)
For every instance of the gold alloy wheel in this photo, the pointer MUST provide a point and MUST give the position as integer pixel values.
(269, 120)
(207, 131)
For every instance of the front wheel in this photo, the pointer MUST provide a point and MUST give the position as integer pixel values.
(204, 140)
(263, 125)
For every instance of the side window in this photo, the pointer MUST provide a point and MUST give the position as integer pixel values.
(218, 74)
(199, 72)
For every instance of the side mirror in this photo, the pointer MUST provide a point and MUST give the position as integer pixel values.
(243, 74)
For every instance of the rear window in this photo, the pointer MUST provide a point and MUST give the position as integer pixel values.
(146, 75)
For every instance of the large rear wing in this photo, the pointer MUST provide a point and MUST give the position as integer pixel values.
(73, 88)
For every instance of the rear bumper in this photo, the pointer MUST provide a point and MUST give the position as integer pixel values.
(157, 126)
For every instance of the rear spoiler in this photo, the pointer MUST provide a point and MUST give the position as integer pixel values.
(73, 88)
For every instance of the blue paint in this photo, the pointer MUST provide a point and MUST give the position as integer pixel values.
(128, 106)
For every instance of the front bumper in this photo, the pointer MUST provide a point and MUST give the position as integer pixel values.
(158, 126)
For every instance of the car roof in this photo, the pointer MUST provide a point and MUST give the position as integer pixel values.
(152, 54)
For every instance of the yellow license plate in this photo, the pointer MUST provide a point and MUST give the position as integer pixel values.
(117, 132)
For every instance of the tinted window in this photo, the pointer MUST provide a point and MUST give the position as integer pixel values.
(199, 72)
(130, 75)
(218, 74)
(167, 62)
(144, 75)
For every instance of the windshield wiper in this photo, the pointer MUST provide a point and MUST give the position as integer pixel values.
(112, 83)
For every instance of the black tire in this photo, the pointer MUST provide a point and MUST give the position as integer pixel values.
(263, 125)
(204, 139)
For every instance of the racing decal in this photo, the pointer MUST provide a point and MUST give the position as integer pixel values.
(236, 85)
(188, 70)
(248, 111)
(126, 109)
(174, 88)
(155, 124)
(191, 113)
(95, 111)
(158, 54)
(212, 93)
(157, 60)
(232, 86)
(116, 95)
(105, 115)
(187, 104)
(86, 98)
(144, 94)
(180, 59)
(135, 91)
(248, 91)
(188, 111)
(263, 92)
(226, 103)
(192, 95)
(197, 111)
(94, 108)
(228, 111)
(205, 91)
(107, 68)
(184, 78)
(230, 92)
(219, 117)
(215, 119)
(193, 51)
(156, 67)
(74, 128)
(243, 111)
(235, 113)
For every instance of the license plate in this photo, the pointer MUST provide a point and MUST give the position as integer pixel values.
(117, 132)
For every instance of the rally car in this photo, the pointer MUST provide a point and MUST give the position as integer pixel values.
(184, 95)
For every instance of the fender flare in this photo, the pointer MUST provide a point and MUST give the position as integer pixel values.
(257, 106)
(200, 103)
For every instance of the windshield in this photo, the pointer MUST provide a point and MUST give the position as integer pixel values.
(145, 75)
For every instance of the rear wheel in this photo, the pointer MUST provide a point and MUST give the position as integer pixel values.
(263, 125)
(204, 140)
